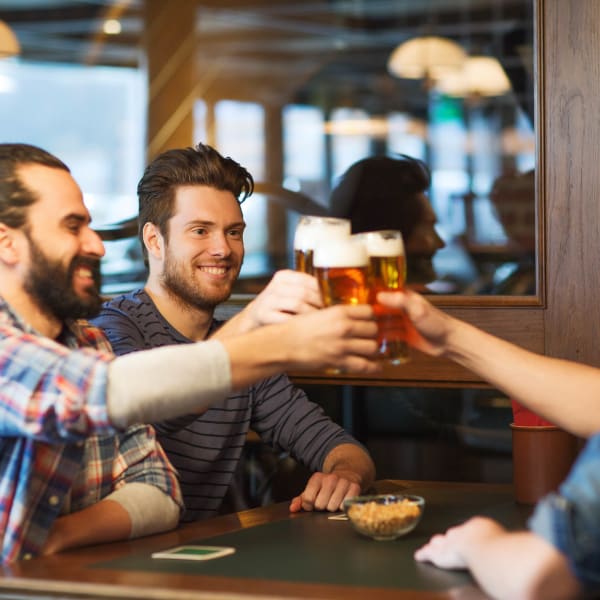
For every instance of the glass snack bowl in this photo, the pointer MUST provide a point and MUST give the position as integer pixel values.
(386, 516)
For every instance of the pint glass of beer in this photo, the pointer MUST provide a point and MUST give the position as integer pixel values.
(341, 267)
(312, 230)
(387, 271)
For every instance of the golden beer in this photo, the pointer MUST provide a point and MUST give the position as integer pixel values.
(303, 261)
(343, 285)
(387, 271)
(341, 267)
(392, 334)
(342, 270)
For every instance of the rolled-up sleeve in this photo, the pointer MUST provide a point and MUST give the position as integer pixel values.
(141, 459)
(140, 470)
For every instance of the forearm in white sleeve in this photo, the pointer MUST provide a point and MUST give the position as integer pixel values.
(149, 508)
(162, 383)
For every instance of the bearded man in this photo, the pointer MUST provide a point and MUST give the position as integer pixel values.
(76, 465)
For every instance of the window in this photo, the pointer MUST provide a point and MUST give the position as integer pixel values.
(94, 119)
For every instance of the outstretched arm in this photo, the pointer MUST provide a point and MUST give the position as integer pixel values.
(341, 336)
(507, 565)
(563, 392)
(347, 471)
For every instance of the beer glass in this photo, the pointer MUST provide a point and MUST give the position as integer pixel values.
(387, 271)
(341, 267)
(312, 230)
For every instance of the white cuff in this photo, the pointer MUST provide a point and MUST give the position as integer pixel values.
(150, 509)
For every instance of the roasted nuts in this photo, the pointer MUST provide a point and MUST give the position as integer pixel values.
(377, 519)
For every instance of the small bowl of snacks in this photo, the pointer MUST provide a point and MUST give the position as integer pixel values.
(386, 516)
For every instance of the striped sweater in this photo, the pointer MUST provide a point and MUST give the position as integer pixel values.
(206, 449)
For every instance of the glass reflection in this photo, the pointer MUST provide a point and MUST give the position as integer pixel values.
(298, 92)
(339, 103)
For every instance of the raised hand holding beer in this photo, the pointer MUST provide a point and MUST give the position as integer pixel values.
(387, 272)
(353, 269)
(341, 267)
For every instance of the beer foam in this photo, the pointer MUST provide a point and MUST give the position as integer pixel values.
(305, 238)
(309, 234)
(378, 246)
(342, 252)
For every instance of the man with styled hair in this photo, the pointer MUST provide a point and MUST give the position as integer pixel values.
(191, 226)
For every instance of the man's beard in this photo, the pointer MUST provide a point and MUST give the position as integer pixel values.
(420, 269)
(50, 284)
(186, 291)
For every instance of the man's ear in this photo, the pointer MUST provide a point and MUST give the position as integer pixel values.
(153, 240)
(9, 247)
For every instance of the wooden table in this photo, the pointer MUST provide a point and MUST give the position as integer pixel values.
(277, 555)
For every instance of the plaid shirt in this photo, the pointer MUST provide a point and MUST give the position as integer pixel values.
(58, 450)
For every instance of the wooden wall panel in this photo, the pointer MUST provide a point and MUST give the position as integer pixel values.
(571, 100)
(523, 326)
(170, 47)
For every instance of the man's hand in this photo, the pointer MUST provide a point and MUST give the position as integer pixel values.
(288, 293)
(325, 491)
(506, 564)
(429, 327)
(347, 470)
(340, 337)
(447, 550)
